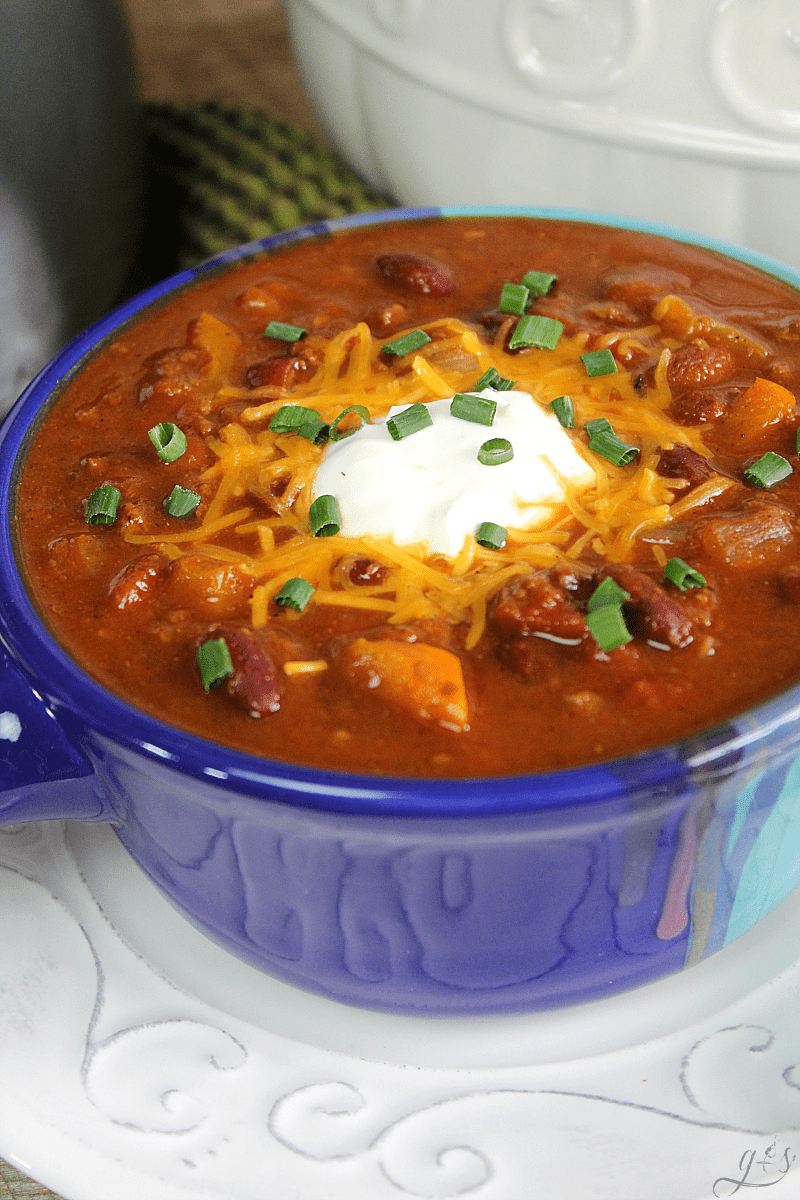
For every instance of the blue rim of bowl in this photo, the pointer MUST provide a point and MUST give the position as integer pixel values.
(662, 771)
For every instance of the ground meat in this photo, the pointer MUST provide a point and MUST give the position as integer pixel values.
(701, 406)
(681, 462)
(788, 583)
(699, 364)
(576, 580)
(537, 604)
(415, 274)
(640, 290)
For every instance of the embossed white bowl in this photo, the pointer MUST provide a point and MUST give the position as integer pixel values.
(686, 111)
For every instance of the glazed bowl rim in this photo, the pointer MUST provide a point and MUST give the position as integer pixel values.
(83, 703)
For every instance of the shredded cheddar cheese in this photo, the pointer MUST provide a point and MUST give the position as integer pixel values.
(254, 467)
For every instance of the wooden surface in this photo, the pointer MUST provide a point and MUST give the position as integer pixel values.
(234, 51)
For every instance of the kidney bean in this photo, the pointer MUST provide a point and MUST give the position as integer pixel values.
(365, 572)
(136, 582)
(255, 684)
(284, 371)
(415, 274)
(681, 462)
(651, 612)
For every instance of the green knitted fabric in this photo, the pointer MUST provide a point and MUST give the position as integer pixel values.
(221, 176)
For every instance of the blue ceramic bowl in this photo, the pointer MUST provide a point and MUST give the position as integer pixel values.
(419, 896)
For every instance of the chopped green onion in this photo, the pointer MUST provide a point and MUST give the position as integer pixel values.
(769, 469)
(613, 448)
(682, 575)
(315, 431)
(360, 411)
(601, 425)
(607, 627)
(409, 421)
(495, 451)
(473, 408)
(493, 379)
(291, 417)
(295, 593)
(604, 615)
(536, 331)
(102, 505)
(607, 593)
(169, 441)
(599, 362)
(514, 298)
(214, 661)
(324, 517)
(538, 282)
(296, 418)
(564, 409)
(181, 502)
(492, 536)
(284, 333)
(406, 343)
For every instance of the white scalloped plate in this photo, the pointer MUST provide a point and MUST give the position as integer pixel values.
(141, 1062)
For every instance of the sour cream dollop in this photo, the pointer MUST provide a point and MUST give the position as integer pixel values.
(430, 489)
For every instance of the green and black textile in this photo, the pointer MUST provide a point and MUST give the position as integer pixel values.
(219, 176)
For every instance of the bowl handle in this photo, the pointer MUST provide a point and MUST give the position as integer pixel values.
(43, 776)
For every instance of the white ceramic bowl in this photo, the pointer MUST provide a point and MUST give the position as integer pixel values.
(685, 111)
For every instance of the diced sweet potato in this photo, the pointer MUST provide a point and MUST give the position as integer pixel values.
(214, 589)
(750, 538)
(80, 551)
(678, 319)
(764, 405)
(424, 681)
